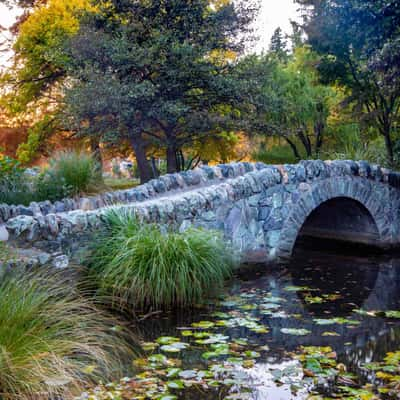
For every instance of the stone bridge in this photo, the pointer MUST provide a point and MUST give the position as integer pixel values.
(262, 209)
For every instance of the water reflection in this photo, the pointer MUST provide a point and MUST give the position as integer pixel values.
(332, 287)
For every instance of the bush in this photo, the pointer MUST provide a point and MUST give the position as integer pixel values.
(77, 171)
(53, 342)
(276, 154)
(14, 185)
(140, 266)
(50, 186)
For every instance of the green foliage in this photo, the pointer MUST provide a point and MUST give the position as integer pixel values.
(166, 82)
(120, 183)
(278, 45)
(50, 186)
(359, 44)
(14, 186)
(37, 70)
(289, 101)
(282, 154)
(77, 171)
(54, 341)
(37, 134)
(142, 266)
(69, 173)
(351, 144)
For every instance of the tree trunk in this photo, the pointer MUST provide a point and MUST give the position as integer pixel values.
(388, 143)
(305, 140)
(156, 172)
(294, 148)
(95, 150)
(141, 159)
(172, 162)
(319, 135)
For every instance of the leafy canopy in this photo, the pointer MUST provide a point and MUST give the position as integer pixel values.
(359, 42)
(160, 71)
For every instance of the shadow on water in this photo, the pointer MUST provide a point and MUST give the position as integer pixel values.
(316, 285)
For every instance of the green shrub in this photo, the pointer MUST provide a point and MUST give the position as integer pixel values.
(53, 341)
(49, 185)
(278, 154)
(77, 171)
(14, 185)
(141, 266)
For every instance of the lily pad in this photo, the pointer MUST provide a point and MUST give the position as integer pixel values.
(295, 332)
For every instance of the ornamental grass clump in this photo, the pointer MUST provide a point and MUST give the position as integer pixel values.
(77, 171)
(141, 266)
(53, 341)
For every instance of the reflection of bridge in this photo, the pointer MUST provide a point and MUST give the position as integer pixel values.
(362, 282)
(258, 207)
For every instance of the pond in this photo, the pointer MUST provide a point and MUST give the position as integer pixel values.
(320, 327)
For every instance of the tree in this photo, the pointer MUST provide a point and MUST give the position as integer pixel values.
(278, 45)
(31, 85)
(289, 102)
(359, 42)
(157, 72)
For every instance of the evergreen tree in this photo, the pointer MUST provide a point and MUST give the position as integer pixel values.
(278, 45)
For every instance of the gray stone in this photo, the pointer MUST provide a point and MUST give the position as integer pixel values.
(4, 235)
(60, 262)
(255, 205)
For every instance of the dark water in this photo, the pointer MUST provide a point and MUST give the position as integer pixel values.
(333, 286)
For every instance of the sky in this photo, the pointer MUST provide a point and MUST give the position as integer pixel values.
(273, 14)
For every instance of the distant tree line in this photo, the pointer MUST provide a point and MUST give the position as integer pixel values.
(175, 78)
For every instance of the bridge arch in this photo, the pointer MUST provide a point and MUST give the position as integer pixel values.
(371, 202)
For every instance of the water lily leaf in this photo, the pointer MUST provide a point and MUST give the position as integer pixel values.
(188, 374)
(248, 364)
(333, 321)
(252, 354)
(167, 340)
(158, 358)
(332, 297)
(178, 384)
(174, 347)
(272, 299)
(218, 338)
(235, 360)
(314, 300)
(168, 397)
(210, 354)
(393, 358)
(295, 332)
(219, 314)
(392, 314)
(270, 306)
(203, 324)
(314, 366)
(201, 335)
(299, 289)
(173, 372)
(260, 329)
(248, 307)
(241, 341)
(149, 346)
(330, 334)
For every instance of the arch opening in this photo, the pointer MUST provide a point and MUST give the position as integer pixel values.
(341, 219)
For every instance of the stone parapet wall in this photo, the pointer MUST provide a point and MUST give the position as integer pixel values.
(258, 207)
(172, 182)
